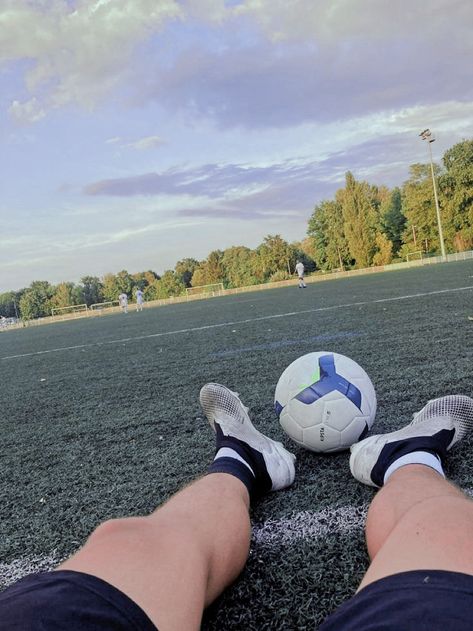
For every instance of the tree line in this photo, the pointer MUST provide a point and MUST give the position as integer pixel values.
(363, 225)
(368, 225)
(272, 260)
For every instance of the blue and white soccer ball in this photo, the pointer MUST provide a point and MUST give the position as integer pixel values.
(325, 402)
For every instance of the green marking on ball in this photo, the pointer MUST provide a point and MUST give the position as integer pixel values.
(313, 379)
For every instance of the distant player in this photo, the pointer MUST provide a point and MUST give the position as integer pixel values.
(123, 302)
(139, 300)
(300, 272)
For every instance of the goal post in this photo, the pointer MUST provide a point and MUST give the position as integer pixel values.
(100, 307)
(71, 311)
(417, 255)
(215, 289)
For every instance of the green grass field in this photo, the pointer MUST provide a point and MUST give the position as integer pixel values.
(100, 419)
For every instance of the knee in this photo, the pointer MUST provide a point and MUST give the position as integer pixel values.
(138, 532)
(122, 531)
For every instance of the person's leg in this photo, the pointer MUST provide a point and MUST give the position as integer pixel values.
(176, 561)
(179, 559)
(417, 520)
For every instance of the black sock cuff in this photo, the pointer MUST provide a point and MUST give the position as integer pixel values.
(227, 464)
(436, 444)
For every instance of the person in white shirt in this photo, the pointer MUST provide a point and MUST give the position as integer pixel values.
(123, 302)
(300, 272)
(139, 300)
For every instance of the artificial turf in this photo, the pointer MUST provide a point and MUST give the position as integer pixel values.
(100, 418)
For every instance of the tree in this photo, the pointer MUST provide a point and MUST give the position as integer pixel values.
(274, 255)
(168, 285)
(421, 228)
(393, 221)
(318, 234)
(141, 280)
(63, 295)
(358, 201)
(457, 188)
(384, 255)
(304, 252)
(238, 264)
(327, 233)
(8, 304)
(214, 267)
(185, 268)
(125, 282)
(210, 271)
(116, 284)
(89, 291)
(36, 300)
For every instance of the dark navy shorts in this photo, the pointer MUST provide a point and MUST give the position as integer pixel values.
(69, 601)
(427, 600)
(73, 601)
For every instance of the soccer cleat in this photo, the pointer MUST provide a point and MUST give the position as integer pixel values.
(435, 429)
(271, 463)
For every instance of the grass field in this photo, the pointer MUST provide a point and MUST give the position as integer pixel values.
(100, 419)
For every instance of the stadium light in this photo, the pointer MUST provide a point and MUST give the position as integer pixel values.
(427, 135)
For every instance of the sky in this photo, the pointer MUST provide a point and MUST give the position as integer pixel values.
(134, 133)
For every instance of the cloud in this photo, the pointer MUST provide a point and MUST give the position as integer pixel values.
(210, 180)
(141, 144)
(274, 85)
(286, 189)
(233, 212)
(79, 53)
(378, 148)
(256, 63)
(150, 142)
(328, 21)
(28, 112)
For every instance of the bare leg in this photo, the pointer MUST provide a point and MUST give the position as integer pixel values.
(179, 559)
(176, 561)
(418, 520)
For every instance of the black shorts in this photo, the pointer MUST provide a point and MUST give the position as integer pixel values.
(69, 601)
(428, 600)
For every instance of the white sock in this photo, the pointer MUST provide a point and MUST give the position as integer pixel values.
(415, 457)
(226, 452)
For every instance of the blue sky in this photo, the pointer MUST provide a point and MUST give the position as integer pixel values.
(137, 132)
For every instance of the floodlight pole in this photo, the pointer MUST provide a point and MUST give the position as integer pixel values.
(427, 135)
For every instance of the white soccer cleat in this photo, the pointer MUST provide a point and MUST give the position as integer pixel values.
(272, 464)
(436, 428)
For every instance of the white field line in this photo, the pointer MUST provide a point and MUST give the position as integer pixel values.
(272, 533)
(13, 571)
(246, 321)
(309, 525)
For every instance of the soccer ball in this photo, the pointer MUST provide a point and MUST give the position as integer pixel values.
(325, 401)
